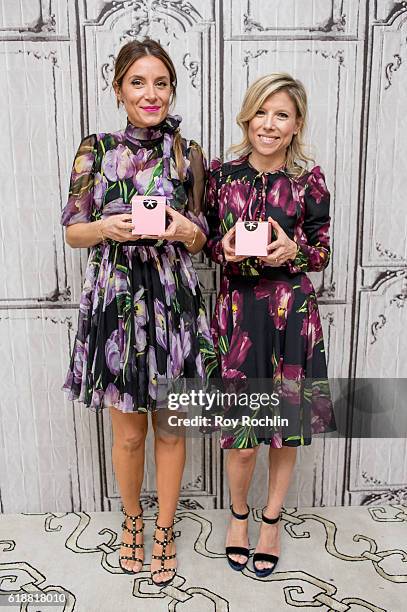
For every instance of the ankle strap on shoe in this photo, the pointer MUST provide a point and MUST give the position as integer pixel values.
(241, 517)
(270, 521)
(132, 517)
(165, 529)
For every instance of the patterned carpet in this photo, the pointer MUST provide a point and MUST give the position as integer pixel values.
(333, 559)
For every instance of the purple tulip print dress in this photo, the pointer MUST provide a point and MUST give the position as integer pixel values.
(142, 319)
(266, 323)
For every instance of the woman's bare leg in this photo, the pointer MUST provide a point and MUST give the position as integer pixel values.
(169, 461)
(240, 465)
(281, 466)
(129, 434)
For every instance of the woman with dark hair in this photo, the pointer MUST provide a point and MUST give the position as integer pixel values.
(266, 325)
(142, 321)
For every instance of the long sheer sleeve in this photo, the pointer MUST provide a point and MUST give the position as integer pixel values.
(213, 247)
(312, 231)
(195, 186)
(78, 208)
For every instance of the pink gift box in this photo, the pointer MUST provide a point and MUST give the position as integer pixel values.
(252, 238)
(148, 214)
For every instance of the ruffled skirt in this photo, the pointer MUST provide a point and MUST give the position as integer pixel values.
(142, 324)
(267, 331)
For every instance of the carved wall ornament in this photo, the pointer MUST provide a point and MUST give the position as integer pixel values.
(376, 326)
(330, 25)
(339, 55)
(386, 252)
(398, 496)
(139, 25)
(382, 497)
(326, 291)
(250, 24)
(180, 7)
(107, 70)
(146, 12)
(392, 67)
(51, 55)
(47, 25)
(249, 55)
(192, 68)
(400, 298)
(330, 317)
(193, 485)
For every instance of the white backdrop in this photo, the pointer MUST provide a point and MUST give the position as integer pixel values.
(56, 61)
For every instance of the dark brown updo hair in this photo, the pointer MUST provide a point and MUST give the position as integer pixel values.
(130, 53)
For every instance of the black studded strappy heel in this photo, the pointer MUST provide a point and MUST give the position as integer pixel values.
(163, 557)
(238, 550)
(133, 545)
(262, 573)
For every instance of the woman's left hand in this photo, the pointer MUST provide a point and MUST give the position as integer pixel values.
(280, 250)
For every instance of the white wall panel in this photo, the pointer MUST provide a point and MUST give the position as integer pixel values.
(39, 467)
(35, 95)
(385, 219)
(382, 347)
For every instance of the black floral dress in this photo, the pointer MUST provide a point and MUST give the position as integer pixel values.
(142, 320)
(266, 324)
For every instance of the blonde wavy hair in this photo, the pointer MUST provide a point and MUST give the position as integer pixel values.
(297, 159)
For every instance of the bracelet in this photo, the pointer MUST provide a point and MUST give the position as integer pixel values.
(100, 230)
(191, 244)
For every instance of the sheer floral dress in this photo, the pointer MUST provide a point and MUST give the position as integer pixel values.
(142, 319)
(266, 323)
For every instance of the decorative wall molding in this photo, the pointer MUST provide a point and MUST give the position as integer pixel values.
(376, 326)
(146, 12)
(331, 24)
(387, 12)
(392, 67)
(107, 71)
(40, 55)
(338, 55)
(326, 291)
(383, 252)
(251, 55)
(248, 19)
(192, 67)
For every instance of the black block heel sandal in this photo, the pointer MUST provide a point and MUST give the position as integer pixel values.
(238, 550)
(262, 573)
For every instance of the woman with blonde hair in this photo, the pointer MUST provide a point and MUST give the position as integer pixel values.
(266, 325)
(142, 318)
